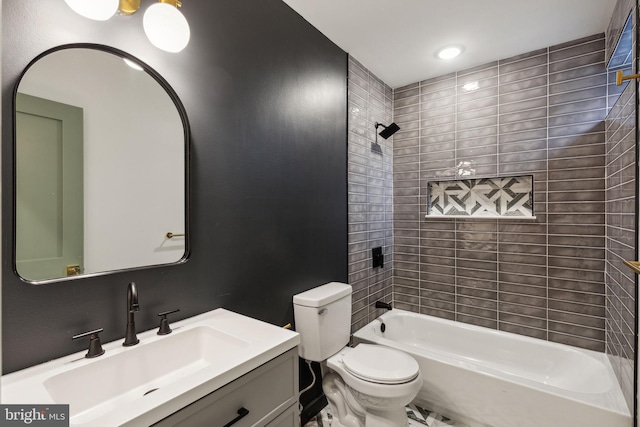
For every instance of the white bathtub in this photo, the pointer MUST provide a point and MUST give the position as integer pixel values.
(488, 378)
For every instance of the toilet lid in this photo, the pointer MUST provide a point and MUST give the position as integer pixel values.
(384, 365)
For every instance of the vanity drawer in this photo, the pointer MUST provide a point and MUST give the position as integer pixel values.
(265, 392)
(289, 418)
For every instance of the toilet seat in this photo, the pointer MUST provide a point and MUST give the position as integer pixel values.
(381, 365)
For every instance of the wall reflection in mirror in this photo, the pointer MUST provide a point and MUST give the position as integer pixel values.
(101, 151)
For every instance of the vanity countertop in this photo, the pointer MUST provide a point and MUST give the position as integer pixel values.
(234, 345)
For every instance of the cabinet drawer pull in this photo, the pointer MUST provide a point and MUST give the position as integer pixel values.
(242, 412)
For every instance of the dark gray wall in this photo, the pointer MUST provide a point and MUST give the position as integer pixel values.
(265, 94)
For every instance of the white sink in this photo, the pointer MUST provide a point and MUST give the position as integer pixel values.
(130, 375)
(143, 384)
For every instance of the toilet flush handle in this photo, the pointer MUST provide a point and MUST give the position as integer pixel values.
(322, 311)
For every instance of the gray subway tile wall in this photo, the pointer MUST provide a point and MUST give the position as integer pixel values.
(622, 10)
(575, 217)
(621, 282)
(621, 187)
(541, 113)
(370, 195)
(559, 277)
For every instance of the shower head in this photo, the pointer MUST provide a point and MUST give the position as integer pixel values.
(385, 133)
(388, 130)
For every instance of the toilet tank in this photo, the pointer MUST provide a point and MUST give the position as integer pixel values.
(323, 320)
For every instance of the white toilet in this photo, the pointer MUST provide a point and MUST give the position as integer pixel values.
(367, 385)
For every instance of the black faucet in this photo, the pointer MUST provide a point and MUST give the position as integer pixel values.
(132, 306)
(380, 304)
(95, 347)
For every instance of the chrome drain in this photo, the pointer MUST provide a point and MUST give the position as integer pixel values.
(150, 391)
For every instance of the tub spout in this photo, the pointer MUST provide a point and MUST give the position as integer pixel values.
(380, 304)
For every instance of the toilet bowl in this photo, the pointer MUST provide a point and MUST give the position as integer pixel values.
(366, 385)
(381, 380)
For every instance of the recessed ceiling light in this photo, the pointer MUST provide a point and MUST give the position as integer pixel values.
(449, 52)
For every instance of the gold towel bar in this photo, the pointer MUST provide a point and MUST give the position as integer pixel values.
(620, 78)
(634, 265)
(170, 235)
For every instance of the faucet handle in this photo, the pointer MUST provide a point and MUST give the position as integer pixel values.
(164, 323)
(95, 346)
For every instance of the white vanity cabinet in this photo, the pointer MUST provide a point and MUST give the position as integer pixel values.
(201, 374)
(269, 393)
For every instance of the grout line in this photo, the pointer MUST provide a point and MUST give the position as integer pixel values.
(455, 221)
(547, 203)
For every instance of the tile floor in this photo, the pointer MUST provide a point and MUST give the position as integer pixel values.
(418, 417)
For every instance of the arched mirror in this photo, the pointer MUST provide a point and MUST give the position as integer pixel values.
(101, 166)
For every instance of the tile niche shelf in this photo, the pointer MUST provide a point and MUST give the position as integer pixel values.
(508, 197)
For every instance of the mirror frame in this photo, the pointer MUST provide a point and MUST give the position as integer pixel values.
(187, 157)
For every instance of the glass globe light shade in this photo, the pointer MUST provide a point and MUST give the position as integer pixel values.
(99, 10)
(166, 27)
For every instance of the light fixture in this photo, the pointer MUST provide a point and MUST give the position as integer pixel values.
(128, 7)
(385, 133)
(166, 27)
(449, 52)
(98, 10)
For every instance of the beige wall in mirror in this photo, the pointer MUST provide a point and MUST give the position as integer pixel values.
(100, 168)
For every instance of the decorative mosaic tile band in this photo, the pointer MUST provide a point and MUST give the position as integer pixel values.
(482, 197)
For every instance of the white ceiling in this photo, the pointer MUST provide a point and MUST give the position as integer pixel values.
(397, 39)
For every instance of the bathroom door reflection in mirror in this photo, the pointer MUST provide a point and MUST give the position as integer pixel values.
(101, 174)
